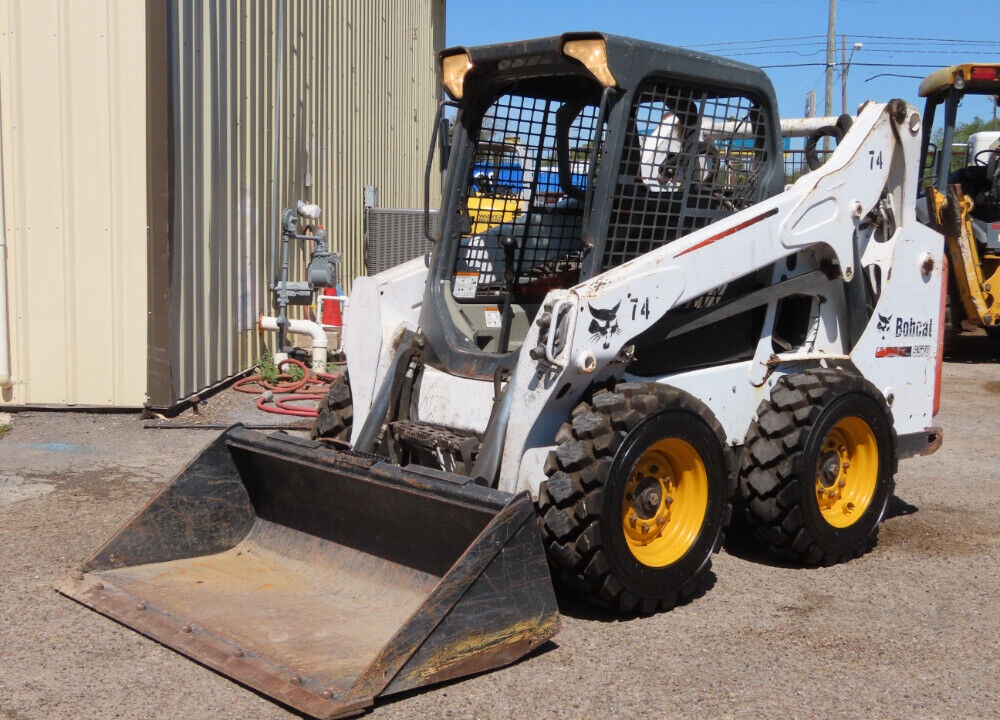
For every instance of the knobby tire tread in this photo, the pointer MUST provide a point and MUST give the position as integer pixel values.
(569, 501)
(768, 501)
(335, 412)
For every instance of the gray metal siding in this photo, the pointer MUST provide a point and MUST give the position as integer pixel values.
(358, 98)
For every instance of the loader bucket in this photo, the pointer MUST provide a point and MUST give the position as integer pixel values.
(325, 579)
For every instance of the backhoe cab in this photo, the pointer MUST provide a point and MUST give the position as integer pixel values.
(963, 195)
(627, 328)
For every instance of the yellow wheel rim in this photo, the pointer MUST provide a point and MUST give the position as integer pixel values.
(665, 502)
(846, 472)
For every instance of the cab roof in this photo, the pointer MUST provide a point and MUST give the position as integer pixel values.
(978, 77)
(627, 59)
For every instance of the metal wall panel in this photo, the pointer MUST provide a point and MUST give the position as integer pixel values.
(72, 135)
(348, 87)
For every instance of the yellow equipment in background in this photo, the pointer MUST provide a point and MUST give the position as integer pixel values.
(964, 203)
(500, 185)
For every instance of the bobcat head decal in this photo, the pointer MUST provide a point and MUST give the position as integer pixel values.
(883, 322)
(604, 323)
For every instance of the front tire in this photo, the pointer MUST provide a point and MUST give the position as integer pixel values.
(818, 467)
(335, 413)
(637, 497)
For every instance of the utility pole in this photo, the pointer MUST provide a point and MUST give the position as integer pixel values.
(831, 55)
(843, 74)
(845, 66)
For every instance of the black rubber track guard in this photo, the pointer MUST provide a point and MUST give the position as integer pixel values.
(324, 579)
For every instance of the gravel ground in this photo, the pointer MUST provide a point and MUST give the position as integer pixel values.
(908, 631)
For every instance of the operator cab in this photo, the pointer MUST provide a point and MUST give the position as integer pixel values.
(573, 155)
(977, 171)
(980, 178)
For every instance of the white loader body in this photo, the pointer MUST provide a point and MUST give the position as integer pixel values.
(873, 171)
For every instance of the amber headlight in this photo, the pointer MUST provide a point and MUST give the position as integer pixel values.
(593, 53)
(454, 68)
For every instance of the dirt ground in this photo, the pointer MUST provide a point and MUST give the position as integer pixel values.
(911, 630)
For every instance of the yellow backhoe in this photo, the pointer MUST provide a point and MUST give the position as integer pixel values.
(963, 202)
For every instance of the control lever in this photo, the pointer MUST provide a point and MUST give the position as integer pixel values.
(509, 246)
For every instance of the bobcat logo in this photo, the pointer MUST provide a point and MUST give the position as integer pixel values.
(604, 324)
(883, 322)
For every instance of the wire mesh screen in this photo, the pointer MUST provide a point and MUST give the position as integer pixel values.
(690, 158)
(525, 199)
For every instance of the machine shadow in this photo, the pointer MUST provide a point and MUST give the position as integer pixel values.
(972, 347)
(740, 542)
(572, 605)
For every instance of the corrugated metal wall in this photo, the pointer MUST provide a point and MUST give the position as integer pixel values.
(72, 103)
(358, 95)
(357, 102)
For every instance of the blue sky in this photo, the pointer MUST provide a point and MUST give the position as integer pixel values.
(908, 38)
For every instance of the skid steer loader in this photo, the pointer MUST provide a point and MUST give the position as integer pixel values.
(581, 388)
(964, 203)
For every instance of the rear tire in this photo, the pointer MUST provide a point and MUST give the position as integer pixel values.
(637, 497)
(335, 413)
(817, 468)
(953, 314)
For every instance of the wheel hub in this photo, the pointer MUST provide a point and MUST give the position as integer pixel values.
(843, 493)
(829, 468)
(648, 503)
(647, 498)
(665, 502)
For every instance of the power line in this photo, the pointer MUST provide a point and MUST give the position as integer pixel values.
(853, 64)
(806, 41)
(754, 42)
(963, 41)
(867, 50)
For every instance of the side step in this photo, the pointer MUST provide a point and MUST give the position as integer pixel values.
(324, 579)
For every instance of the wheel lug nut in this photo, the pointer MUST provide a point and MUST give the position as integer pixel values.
(841, 483)
(645, 528)
(661, 521)
(632, 519)
(668, 501)
(846, 464)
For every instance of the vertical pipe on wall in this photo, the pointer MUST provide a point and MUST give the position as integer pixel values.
(272, 217)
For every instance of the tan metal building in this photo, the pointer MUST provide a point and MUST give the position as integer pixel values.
(147, 150)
